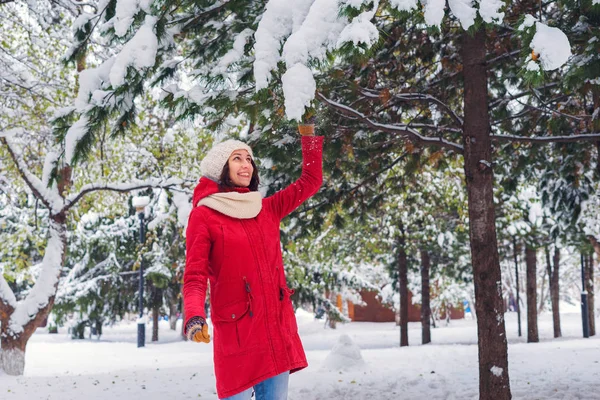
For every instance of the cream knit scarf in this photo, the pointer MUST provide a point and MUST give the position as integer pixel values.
(234, 204)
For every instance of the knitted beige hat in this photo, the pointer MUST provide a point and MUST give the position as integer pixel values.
(214, 161)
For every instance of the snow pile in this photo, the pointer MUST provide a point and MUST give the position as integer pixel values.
(345, 355)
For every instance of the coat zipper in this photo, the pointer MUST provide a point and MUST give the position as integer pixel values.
(247, 228)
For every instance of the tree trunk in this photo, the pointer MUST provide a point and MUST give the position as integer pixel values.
(554, 290)
(183, 336)
(14, 335)
(541, 303)
(595, 245)
(493, 357)
(531, 262)
(403, 280)
(155, 323)
(173, 316)
(590, 290)
(425, 303)
(156, 302)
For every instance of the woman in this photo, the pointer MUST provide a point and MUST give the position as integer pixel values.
(233, 241)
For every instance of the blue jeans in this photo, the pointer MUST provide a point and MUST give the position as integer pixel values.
(275, 388)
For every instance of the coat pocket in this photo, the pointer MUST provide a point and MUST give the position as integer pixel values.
(288, 317)
(228, 328)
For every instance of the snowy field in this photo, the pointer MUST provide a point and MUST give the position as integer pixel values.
(114, 368)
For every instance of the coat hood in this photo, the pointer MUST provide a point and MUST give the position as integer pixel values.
(207, 186)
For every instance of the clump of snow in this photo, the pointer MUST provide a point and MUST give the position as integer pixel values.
(361, 29)
(497, 371)
(140, 201)
(319, 32)
(404, 5)
(345, 355)
(236, 53)
(528, 22)
(434, 12)
(125, 11)
(490, 10)
(276, 24)
(464, 11)
(299, 90)
(90, 80)
(75, 133)
(552, 45)
(184, 207)
(139, 52)
(532, 66)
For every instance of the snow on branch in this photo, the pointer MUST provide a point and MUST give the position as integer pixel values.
(122, 187)
(310, 29)
(402, 129)
(45, 286)
(551, 44)
(139, 53)
(6, 294)
(49, 196)
(276, 25)
(594, 137)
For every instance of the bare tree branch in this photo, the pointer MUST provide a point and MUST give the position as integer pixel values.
(401, 129)
(121, 188)
(505, 55)
(594, 137)
(51, 200)
(420, 97)
(509, 97)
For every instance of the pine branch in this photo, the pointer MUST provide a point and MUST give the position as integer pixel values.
(402, 129)
(505, 55)
(121, 188)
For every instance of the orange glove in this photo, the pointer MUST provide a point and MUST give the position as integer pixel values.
(197, 330)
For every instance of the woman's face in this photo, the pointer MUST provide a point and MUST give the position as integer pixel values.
(240, 168)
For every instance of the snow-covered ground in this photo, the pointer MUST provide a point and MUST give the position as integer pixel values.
(114, 368)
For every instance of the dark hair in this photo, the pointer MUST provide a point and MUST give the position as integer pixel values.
(226, 183)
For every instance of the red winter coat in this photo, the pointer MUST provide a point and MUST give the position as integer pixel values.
(254, 327)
